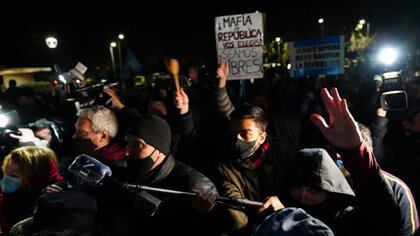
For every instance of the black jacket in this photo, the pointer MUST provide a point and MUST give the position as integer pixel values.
(119, 211)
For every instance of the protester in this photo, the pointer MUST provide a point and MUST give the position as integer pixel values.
(399, 150)
(96, 128)
(150, 162)
(27, 171)
(373, 193)
(252, 158)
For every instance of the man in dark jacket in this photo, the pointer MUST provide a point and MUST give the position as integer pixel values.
(254, 167)
(376, 212)
(399, 151)
(257, 169)
(150, 163)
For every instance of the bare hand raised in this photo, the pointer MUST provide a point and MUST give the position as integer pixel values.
(116, 101)
(342, 130)
(223, 73)
(181, 101)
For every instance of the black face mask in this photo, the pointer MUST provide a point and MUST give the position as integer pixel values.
(244, 149)
(81, 145)
(141, 167)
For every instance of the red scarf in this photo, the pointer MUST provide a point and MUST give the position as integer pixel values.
(259, 157)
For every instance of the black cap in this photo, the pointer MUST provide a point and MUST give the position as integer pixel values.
(153, 130)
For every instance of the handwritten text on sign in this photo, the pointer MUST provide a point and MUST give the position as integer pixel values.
(240, 41)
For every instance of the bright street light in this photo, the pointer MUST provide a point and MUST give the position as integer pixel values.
(360, 26)
(362, 21)
(321, 20)
(121, 36)
(113, 44)
(51, 42)
(388, 55)
(278, 39)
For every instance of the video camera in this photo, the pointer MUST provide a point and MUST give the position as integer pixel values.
(82, 93)
(393, 86)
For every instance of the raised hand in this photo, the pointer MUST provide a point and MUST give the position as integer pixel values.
(116, 101)
(223, 73)
(181, 101)
(342, 130)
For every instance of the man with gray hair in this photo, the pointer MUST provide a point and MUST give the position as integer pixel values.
(96, 128)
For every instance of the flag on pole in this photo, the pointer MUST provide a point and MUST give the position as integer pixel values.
(131, 62)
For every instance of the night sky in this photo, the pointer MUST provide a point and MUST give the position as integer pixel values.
(184, 30)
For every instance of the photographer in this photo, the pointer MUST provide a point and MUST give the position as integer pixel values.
(399, 149)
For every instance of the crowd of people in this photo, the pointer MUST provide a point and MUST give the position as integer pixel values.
(315, 156)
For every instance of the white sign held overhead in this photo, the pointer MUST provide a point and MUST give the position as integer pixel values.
(240, 41)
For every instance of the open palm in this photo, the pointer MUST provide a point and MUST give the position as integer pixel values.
(342, 130)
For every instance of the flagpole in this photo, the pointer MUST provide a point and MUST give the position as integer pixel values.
(119, 59)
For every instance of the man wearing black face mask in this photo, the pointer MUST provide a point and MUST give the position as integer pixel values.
(255, 165)
(96, 128)
(257, 169)
(150, 163)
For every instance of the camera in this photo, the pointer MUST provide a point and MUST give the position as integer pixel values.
(91, 95)
(83, 93)
(393, 86)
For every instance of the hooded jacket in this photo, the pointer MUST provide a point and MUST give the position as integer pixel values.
(315, 169)
(373, 210)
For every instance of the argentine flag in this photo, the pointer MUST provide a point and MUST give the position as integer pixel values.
(131, 62)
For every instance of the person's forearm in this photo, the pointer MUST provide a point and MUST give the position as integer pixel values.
(223, 102)
(187, 125)
(360, 162)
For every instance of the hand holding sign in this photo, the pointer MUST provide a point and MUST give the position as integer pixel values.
(173, 68)
(223, 73)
